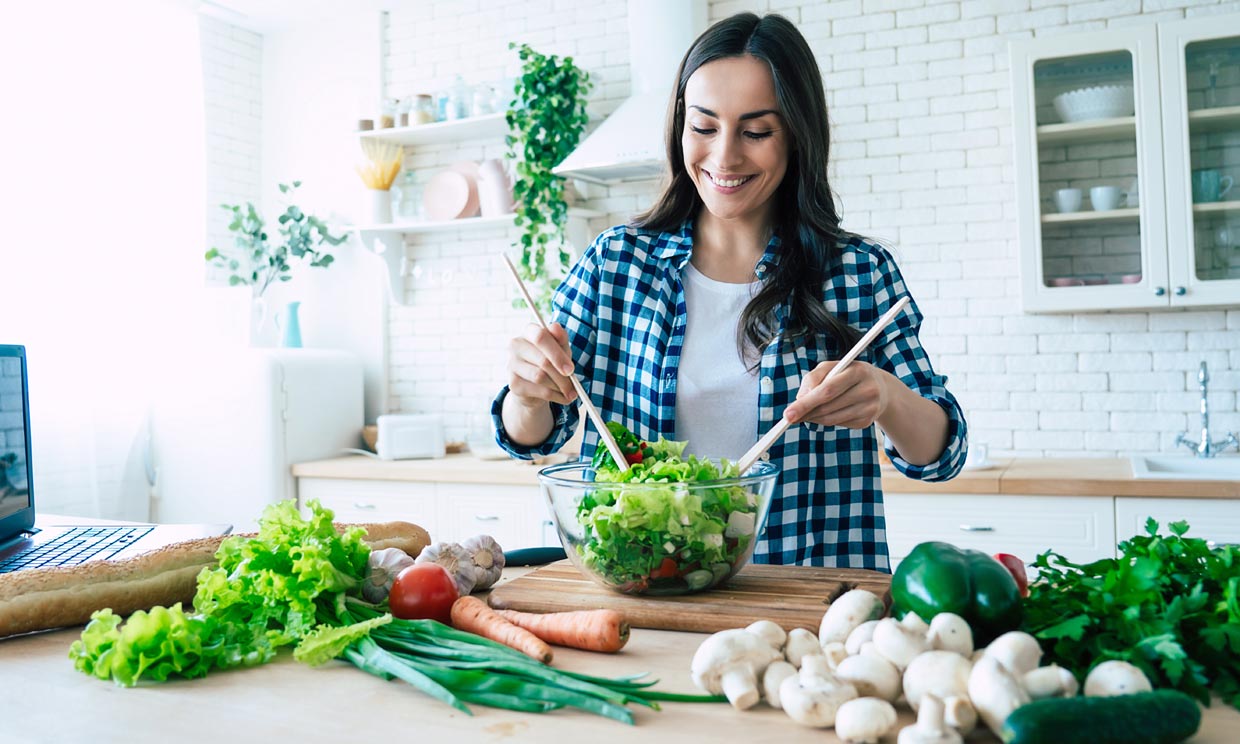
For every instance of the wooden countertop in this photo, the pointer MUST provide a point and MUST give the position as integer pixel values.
(287, 701)
(1026, 476)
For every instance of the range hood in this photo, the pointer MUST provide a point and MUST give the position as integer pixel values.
(629, 145)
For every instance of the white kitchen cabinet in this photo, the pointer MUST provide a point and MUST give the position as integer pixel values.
(1217, 520)
(450, 512)
(1082, 528)
(374, 500)
(1163, 245)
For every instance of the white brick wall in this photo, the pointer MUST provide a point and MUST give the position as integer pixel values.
(232, 89)
(921, 115)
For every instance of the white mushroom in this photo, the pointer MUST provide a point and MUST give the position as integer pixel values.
(848, 611)
(729, 662)
(1115, 678)
(995, 692)
(951, 632)
(772, 633)
(930, 727)
(1050, 681)
(835, 652)
(862, 633)
(865, 720)
(1017, 651)
(944, 674)
(959, 713)
(898, 642)
(772, 678)
(872, 675)
(801, 643)
(814, 695)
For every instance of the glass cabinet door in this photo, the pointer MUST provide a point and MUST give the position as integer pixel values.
(1201, 74)
(1088, 129)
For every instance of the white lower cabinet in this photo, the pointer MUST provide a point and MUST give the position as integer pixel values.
(1080, 528)
(450, 512)
(1217, 520)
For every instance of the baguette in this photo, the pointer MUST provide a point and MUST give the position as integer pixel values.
(44, 598)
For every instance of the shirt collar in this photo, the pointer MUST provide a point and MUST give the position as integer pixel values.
(678, 246)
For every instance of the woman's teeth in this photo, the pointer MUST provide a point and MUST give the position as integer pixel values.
(728, 183)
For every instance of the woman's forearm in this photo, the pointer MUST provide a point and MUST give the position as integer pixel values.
(916, 426)
(527, 423)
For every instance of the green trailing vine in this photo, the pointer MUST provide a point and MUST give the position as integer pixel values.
(545, 121)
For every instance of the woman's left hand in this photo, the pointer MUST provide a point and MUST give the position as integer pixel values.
(855, 398)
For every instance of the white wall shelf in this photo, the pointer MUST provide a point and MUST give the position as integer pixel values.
(1227, 206)
(1226, 118)
(441, 132)
(468, 223)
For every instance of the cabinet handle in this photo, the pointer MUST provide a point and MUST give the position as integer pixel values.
(976, 528)
(363, 507)
(1180, 291)
(486, 517)
(1160, 291)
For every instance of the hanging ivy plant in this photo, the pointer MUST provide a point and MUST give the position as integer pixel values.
(545, 120)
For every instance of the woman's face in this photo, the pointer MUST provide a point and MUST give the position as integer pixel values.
(735, 146)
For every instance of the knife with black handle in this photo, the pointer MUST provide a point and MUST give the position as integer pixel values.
(533, 556)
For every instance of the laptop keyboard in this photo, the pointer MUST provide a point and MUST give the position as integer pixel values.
(75, 545)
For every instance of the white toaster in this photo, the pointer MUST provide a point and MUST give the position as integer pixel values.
(407, 436)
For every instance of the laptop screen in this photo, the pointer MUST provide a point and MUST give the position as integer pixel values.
(15, 476)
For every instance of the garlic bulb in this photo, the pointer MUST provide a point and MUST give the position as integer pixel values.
(488, 559)
(456, 559)
(381, 570)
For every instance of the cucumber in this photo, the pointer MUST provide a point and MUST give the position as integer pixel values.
(1159, 717)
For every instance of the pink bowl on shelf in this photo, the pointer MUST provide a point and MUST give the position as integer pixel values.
(1065, 281)
(1130, 279)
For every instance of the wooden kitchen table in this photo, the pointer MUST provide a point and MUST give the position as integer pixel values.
(43, 699)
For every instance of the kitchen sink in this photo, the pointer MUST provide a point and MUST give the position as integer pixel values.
(1186, 467)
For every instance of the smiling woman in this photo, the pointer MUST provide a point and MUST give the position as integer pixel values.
(757, 292)
(102, 252)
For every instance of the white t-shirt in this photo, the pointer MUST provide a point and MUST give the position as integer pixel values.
(716, 396)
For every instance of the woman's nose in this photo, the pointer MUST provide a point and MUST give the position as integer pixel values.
(727, 152)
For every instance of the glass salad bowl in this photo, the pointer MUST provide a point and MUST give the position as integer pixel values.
(658, 538)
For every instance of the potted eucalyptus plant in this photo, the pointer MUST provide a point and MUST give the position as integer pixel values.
(545, 121)
(260, 261)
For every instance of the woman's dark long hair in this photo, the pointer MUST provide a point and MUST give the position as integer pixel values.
(805, 218)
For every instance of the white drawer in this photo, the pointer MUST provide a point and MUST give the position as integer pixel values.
(1212, 519)
(509, 514)
(1081, 528)
(374, 501)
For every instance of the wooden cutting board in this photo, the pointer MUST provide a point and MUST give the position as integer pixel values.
(793, 596)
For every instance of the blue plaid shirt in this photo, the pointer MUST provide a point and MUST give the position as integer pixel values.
(623, 305)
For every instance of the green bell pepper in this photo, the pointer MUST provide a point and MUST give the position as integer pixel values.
(939, 577)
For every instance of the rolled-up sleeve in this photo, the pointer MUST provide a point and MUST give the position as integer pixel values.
(899, 351)
(574, 306)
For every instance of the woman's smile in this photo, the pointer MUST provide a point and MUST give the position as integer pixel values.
(727, 184)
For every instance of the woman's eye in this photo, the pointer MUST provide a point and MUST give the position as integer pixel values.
(757, 135)
(698, 130)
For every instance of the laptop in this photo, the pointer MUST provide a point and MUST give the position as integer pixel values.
(31, 541)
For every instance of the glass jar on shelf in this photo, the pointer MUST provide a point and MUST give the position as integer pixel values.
(387, 113)
(402, 111)
(483, 96)
(459, 100)
(423, 110)
(409, 208)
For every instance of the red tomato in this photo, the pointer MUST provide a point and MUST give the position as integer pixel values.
(666, 570)
(1016, 567)
(423, 591)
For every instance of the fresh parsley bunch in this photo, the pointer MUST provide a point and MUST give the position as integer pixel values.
(1169, 605)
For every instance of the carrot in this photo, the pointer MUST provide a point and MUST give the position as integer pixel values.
(472, 615)
(592, 630)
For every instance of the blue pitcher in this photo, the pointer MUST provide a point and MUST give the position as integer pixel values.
(290, 326)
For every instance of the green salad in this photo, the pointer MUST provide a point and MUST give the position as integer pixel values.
(664, 536)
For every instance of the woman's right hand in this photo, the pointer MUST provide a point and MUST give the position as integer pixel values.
(539, 364)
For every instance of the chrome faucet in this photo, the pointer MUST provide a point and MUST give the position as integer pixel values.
(1204, 447)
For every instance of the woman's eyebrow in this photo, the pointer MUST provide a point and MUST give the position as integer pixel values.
(743, 117)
